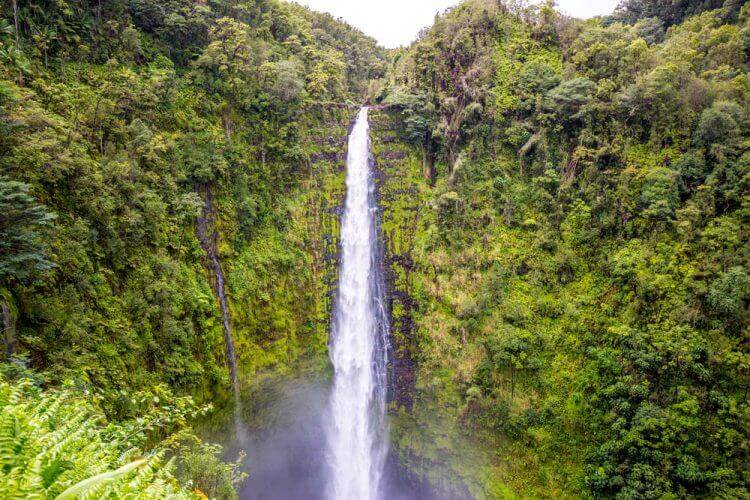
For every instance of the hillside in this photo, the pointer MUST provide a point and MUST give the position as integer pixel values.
(566, 205)
(138, 140)
(564, 210)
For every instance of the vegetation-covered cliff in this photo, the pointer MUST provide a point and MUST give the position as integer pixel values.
(565, 219)
(573, 291)
(138, 139)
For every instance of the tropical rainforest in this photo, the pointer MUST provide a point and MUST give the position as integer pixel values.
(565, 216)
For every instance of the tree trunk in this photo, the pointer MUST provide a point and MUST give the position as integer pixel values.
(18, 42)
(428, 165)
(228, 124)
(15, 20)
(9, 328)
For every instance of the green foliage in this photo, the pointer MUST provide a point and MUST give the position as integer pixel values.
(719, 128)
(132, 121)
(580, 267)
(55, 444)
(651, 29)
(728, 295)
(578, 225)
(609, 52)
(660, 195)
(511, 350)
(419, 116)
(22, 221)
(655, 419)
(671, 12)
(570, 96)
(692, 168)
(443, 80)
(200, 465)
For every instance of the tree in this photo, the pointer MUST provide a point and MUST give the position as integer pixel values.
(420, 120)
(577, 228)
(719, 129)
(671, 11)
(729, 294)
(660, 194)
(231, 63)
(569, 97)
(609, 52)
(735, 181)
(22, 222)
(10, 50)
(22, 250)
(286, 83)
(692, 168)
(651, 29)
(512, 350)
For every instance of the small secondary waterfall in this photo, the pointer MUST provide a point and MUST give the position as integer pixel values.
(208, 244)
(231, 355)
(357, 442)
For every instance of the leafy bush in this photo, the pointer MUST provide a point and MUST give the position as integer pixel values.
(22, 224)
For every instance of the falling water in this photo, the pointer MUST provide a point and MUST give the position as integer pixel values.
(208, 244)
(357, 444)
(229, 343)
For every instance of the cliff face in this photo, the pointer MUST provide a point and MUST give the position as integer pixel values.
(399, 191)
(432, 452)
(283, 282)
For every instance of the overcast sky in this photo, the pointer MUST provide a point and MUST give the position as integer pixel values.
(397, 22)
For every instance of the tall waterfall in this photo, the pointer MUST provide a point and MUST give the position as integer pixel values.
(357, 444)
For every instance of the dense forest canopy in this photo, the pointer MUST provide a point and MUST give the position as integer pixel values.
(581, 266)
(125, 123)
(672, 12)
(566, 209)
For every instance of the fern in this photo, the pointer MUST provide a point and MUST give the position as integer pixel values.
(53, 445)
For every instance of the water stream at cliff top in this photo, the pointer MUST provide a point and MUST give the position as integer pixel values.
(356, 434)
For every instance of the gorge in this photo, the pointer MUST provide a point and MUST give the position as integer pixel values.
(246, 252)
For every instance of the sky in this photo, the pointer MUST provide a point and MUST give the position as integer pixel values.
(397, 22)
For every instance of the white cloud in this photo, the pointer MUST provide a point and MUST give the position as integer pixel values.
(397, 22)
(587, 8)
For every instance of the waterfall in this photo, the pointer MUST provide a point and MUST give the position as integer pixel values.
(208, 244)
(229, 343)
(357, 441)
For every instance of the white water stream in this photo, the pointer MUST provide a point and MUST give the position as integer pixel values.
(356, 439)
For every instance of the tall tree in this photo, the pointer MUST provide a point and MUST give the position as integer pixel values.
(22, 220)
(22, 252)
(230, 66)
